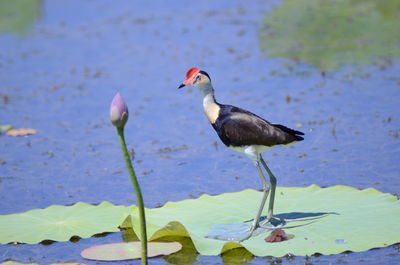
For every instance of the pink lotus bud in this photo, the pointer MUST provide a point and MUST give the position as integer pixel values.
(118, 111)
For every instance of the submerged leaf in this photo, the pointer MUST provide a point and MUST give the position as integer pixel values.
(329, 34)
(129, 250)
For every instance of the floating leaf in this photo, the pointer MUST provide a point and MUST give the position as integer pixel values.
(21, 132)
(60, 223)
(364, 219)
(129, 250)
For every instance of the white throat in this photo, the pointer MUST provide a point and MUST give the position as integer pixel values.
(211, 108)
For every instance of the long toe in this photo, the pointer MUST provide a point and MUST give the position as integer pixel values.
(246, 237)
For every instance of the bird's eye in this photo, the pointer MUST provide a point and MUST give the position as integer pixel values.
(198, 78)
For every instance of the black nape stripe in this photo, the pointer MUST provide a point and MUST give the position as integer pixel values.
(205, 73)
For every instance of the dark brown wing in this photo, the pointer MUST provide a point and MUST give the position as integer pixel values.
(238, 127)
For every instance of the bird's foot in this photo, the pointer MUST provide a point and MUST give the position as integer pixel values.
(238, 232)
(242, 231)
(271, 222)
(250, 234)
(234, 231)
(250, 231)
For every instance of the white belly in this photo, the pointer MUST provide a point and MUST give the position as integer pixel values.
(252, 151)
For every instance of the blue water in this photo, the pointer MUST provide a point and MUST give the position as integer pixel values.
(60, 74)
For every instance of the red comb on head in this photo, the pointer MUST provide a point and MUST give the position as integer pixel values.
(191, 72)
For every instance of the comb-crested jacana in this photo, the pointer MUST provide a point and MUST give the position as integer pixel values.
(245, 132)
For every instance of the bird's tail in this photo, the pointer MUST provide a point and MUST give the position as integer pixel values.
(294, 133)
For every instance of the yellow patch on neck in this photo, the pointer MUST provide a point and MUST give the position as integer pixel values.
(211, 108)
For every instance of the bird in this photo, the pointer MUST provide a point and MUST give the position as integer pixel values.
(245, 132)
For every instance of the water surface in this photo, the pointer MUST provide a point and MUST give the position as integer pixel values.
(60, 70)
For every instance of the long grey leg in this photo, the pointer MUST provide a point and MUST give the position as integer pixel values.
(272, 180)
(266, 189)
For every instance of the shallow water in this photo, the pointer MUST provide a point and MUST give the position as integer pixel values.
(61, 67)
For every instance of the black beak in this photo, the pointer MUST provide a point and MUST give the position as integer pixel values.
(182, 85)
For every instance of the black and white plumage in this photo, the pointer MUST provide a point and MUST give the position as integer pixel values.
(237, 127)
(246, 132)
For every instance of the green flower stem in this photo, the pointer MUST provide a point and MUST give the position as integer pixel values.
(138, 194)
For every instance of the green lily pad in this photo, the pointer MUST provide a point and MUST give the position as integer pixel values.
(355, 220)
(363, 219)
(60, 223)
(129, 250)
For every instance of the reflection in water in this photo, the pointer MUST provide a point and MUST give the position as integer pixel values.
(328, 34)
(17, 16)
(237, 256)
(186, 256)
